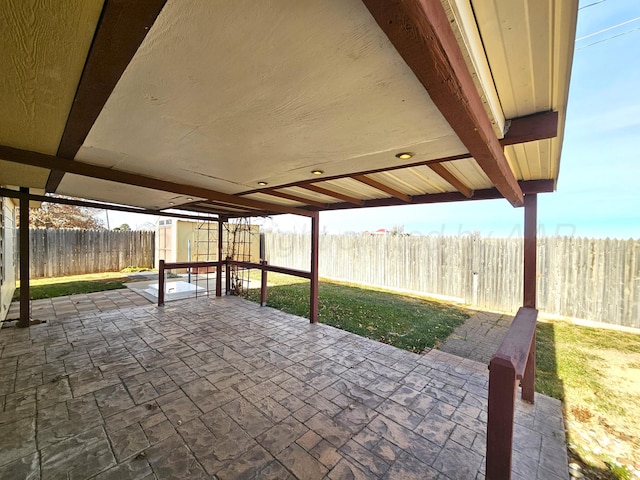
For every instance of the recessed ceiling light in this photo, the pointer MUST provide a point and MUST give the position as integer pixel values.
(262, 184)
(317, 172)
(189, 199)
(405, 155)
(172, 203)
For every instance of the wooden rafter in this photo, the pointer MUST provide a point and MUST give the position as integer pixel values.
(295, 198)
(42, 160)
(302, 183)
(4, 192)
(420, 32)
(122, 27)
(451, 179)
(227, 207)
(382, 187)
(538, 126)
(331, 193)
(211, 210)
(531, 186)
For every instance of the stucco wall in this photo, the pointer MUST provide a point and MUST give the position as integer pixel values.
(8, 256)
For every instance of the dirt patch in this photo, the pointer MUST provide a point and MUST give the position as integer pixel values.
(603, 424)
(581, 414)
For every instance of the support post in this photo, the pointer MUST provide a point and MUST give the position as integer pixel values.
(313, 297)
(530, 288)
(530, 244)
(263, 285)
(219, 267)
(25, 317)
(227, 277)
(161, 283)
(502, 395)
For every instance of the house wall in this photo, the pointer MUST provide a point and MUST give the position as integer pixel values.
(8, 249)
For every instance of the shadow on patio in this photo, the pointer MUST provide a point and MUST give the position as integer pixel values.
(221, 386)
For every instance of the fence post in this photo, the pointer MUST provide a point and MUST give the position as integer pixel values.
(161, 283)
(502, 395)
(263, 285)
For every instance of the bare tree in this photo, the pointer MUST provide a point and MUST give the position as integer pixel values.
(56, 215)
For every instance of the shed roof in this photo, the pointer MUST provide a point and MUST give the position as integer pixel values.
(252, 108)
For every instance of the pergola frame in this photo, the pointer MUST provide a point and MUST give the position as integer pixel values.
(421, 33)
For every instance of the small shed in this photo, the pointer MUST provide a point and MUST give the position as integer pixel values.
(180, 240)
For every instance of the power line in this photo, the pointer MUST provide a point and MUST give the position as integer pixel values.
(608, 38)
(607, 29)
(591, 5)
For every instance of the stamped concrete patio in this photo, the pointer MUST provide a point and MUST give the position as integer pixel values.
(221, 388)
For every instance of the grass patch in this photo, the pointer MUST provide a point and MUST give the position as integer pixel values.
(596, 372)
(405, 322)
(61, 286)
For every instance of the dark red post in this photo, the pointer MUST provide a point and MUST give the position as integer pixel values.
(529, 378)
(315, 235)
(227, 277)
(161, 283)
(263, 285)
(25, 314)
(502, 395)
(530, 244)
(529, 297)
(219, 266)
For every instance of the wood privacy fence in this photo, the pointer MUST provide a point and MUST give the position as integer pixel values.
(57, 253)
(593, 279)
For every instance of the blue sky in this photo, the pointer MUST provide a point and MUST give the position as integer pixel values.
(599, 185)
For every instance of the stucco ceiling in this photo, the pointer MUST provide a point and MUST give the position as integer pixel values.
(225, 96)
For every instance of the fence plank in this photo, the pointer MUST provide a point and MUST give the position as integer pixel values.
(57, 253)
(595, 279)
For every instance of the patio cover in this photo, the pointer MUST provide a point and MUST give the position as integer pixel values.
(250, 108)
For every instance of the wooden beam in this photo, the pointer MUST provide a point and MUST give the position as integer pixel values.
(451, 179)
(331, 193)
(295, 198)
(4, 192)
(531, 186)
(420, 32)
(530, 128)
(383, 188)
(42, 160)
(122, 27)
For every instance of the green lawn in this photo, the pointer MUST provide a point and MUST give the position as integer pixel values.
(405, 322)
(61, 286)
